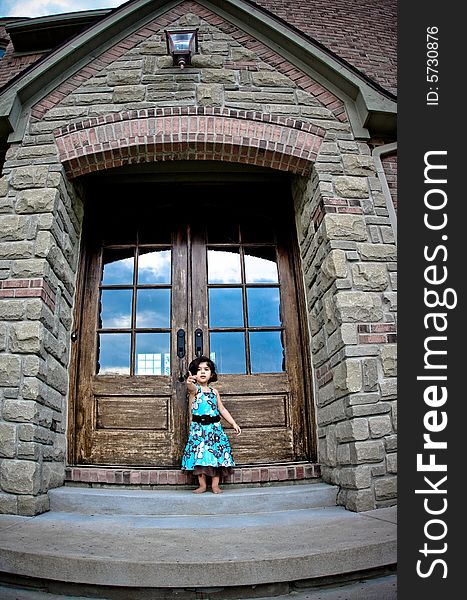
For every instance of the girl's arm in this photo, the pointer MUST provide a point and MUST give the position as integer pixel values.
(190, 384)
(227, 416)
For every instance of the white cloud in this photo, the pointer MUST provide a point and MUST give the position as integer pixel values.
(40, 8)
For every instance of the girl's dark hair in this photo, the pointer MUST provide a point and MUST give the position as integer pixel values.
(193, 368)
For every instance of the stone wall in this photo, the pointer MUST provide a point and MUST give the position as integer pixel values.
(346, 241)
(40, 221)
(348, 254)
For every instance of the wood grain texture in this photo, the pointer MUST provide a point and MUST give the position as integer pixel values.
(132, 413)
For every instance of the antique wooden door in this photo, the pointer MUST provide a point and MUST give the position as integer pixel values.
(172, 273)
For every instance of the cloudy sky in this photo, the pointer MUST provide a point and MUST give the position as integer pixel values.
(39, 8)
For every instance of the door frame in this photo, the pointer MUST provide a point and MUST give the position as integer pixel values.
(309, 425)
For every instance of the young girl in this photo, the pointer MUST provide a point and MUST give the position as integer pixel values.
(207, 452)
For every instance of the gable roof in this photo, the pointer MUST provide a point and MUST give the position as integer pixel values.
(264, 17)
(363, 34)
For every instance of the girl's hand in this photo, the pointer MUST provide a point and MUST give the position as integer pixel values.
(238, 431)
(191, 379)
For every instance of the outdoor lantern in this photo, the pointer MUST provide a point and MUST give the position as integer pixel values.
(182, 44)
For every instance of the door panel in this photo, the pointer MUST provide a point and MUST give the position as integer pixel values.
(229, 286)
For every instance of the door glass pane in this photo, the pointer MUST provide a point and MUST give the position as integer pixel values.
(260, 265)
(152, 354)
(118, 267)
(153, 308)
(224, 266)
(225, 307)
(228, 352)
(113, 355)
(266, 352)
(154, 266)
(115, 309)
(263, 307)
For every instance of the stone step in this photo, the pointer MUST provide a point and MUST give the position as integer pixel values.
(167, 502)
(128, 552)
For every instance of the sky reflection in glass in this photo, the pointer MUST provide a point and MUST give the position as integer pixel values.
(266, 352)
(224, 266)
(225, 307)
(228, 352)
(116, 309)
(117, 270)
(154, 267)
(153, 308)
(153, 354)
(261, 270)
(263, 307)
(114, 353)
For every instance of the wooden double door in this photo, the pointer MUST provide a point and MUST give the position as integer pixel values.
(210, 271)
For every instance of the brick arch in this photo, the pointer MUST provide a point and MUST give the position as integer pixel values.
(189, 133)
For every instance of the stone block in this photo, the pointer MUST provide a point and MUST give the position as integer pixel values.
(36, 201)
(343, 454)
(347, 377)
(14, 228)
(123, 77)
(28, 267)
(380, 426)
(218, 76)
(3, 187)
(355, 164)
(128, 93)
(331, 413)
(370, 374)
(386, 488)
(53, 475)
(352, 430)
(345, 227)
(370, 277)
(364, 410)
(7, 440)
(367, 451)
(388, 355)
(29, 506)
(391, 462)
(216, 47)
(29, 177)
(360, 500)
(390, 301)
(8, 504)
(334, 265)
(354, 477)
(349, 333)
(329, 312)
(377, 252)
(357, 399)
(10, 370)
(351, 187)
(358, 307)
(210, 95)
(204, 61)
(26, 337)
(21, 411)
(271, 79)
(389, 388)
(391, 443)
(3, 337)
(20, 477)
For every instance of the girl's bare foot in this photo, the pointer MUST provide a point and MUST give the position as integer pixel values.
(216, 489)
(199, 490)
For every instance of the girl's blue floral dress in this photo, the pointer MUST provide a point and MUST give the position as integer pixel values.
(208, 448)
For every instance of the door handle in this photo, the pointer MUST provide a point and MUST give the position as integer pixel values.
(180, 343)
(198, 342)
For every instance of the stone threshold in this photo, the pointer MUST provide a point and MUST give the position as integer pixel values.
(260, 474)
